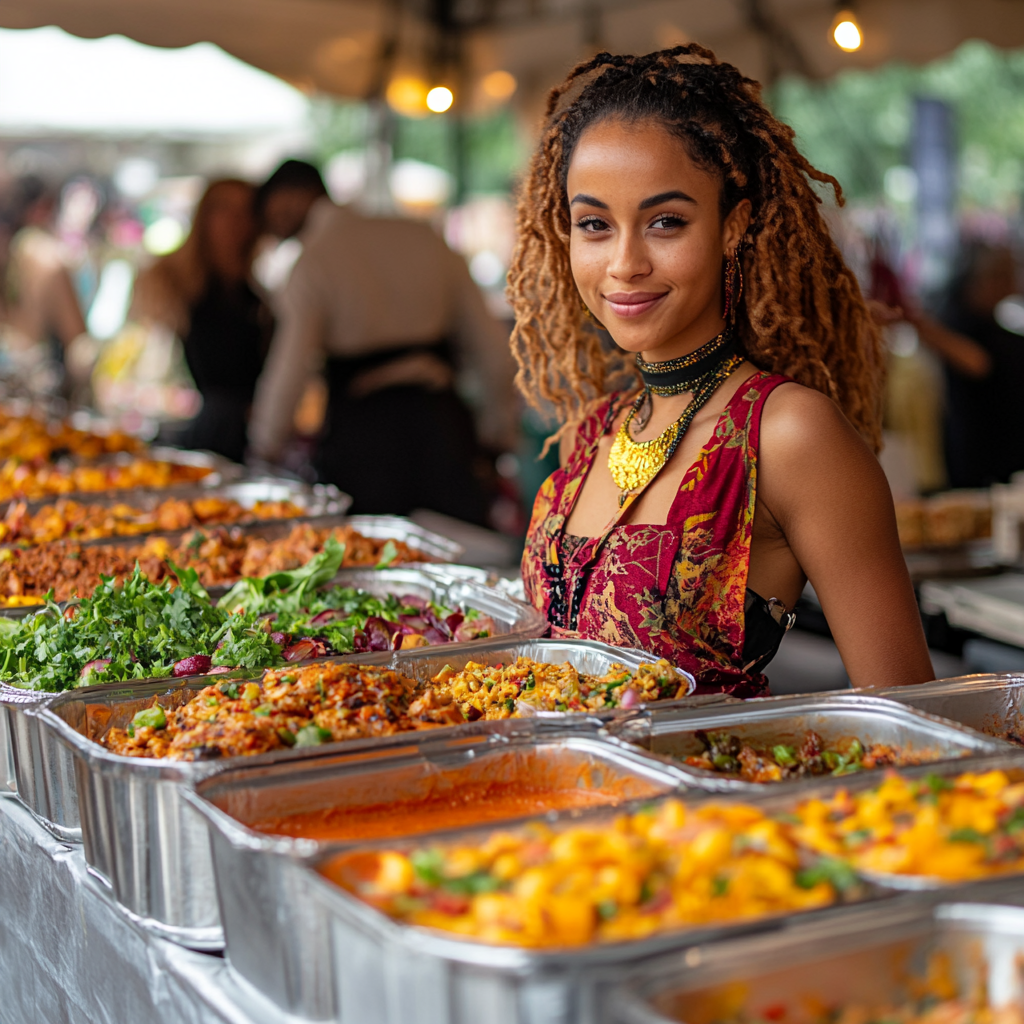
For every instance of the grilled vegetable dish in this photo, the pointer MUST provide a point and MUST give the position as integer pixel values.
(74, 520)
(28, 439)
(667, 867)
(951, 830)
(140, 629)
(729, 755)
(27, 480)
(305, 691)
(219, 556)
(527, 686)
(292, 707)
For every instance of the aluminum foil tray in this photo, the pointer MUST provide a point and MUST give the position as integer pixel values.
(857, 958)
(275, 936)
(992, 704)
(402, 528)
(588, 656)
(45, 767)
(672, 734)
(387, 972)
(319, 499)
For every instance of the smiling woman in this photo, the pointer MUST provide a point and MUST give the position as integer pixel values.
(667, 204)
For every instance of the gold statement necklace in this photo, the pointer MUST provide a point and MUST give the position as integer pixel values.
(634, 464)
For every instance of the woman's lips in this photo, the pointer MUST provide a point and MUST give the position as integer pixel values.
(633, 303)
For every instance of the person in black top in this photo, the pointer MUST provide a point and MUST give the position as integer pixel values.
(204, 292)
(984, 369)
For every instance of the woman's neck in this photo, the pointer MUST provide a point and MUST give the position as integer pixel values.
(686, 341)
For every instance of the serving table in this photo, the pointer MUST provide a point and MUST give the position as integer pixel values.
(69, 956)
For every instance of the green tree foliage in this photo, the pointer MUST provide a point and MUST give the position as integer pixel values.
(859, 124)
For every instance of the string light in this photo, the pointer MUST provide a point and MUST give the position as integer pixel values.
(846, 32)
(439, 99)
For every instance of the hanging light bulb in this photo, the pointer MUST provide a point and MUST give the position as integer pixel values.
(439, 99)
(846, 32)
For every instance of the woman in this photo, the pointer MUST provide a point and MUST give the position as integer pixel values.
(667, 203)
(203, 291)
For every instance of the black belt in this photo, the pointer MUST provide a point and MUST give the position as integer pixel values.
(342, 371)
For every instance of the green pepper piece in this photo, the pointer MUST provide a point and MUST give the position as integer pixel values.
(286, 736)
(607, 909)
(832, 760)
(725, 763)
(783, 755)
(719, 885)
(855, 751)
(312, 736)
(263, 711)
(230, 690)
(149, 718)
(966, 835)
(510, 705)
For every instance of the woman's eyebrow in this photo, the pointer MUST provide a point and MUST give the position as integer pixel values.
(664, 197)
(587, 201)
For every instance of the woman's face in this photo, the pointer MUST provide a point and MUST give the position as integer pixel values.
(647, 238)
(229, 230)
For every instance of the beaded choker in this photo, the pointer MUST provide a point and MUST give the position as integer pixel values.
(676, 376)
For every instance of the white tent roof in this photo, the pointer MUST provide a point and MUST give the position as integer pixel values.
(51, 81)
(335, 45)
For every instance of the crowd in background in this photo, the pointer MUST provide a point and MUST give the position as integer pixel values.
(372, 361)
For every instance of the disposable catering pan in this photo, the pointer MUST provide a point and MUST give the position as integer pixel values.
(992, 704)
(589, 656)
(274, 934)
(41, 770)
(137, 834)
(387, 972)
(318, 499)
(672, 734)
(862, 958)
(45, 768)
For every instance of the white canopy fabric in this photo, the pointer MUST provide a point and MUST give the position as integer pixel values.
(336, 45)
(54, 82)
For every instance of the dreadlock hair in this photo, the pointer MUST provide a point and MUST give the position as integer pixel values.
(802, 312)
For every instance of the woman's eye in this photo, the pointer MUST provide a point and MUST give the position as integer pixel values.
(591, 225)
(667, 221)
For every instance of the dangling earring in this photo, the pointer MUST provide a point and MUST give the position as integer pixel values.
(733, 286)
(590, 316)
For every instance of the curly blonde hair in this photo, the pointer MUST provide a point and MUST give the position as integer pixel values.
(802, 312)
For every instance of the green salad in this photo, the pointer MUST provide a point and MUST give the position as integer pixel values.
(139, 630)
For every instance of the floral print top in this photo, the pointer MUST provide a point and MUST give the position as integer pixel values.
(676, 591)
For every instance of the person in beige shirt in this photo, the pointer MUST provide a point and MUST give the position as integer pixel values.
(394, 319)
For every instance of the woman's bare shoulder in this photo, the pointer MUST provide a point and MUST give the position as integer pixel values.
(802, 419)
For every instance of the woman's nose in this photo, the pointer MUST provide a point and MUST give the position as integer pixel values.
(629, 258)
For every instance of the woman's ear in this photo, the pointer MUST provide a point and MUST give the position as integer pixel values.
(737, 220)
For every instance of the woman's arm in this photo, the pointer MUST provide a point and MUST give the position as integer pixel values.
(964, 354)
(826, 492)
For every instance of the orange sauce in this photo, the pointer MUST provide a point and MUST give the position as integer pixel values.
(468, 804)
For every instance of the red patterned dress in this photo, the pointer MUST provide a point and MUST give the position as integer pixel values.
(677, 591)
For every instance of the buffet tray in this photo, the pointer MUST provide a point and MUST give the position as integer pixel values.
(221, 471)
(990, 703)
(42, 770)
(137, 834)
(318, 499)
(275, 935)
(386, 972)
(670, 734)
(862, 957)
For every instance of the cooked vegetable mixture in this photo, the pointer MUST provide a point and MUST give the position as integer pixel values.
(28, 439)
(292, 707)
(971, 826)
(74, 520)
(501, 691)
(307, 692)
(729, 755)
(144, 629)
(218, 555)
(667, 867)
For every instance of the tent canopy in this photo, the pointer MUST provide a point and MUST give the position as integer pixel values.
(347, 47)
(50, 81)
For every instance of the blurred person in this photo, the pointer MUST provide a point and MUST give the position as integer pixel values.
(984, 369)
(392, 315)
(204, 293)
(40, 317)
